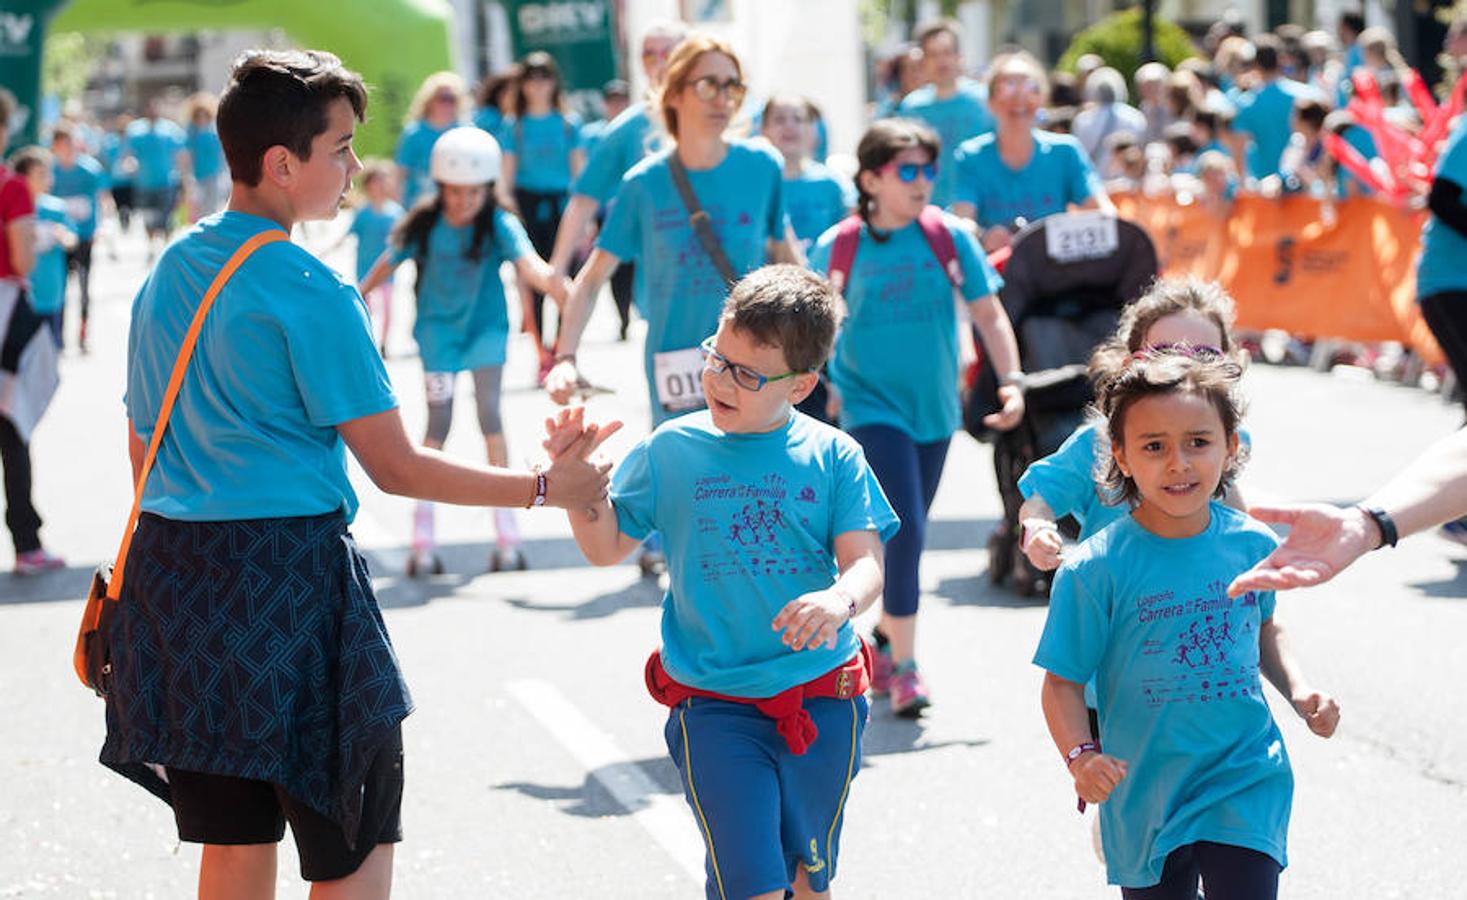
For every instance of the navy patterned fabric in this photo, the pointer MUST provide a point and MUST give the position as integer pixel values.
(255, 649)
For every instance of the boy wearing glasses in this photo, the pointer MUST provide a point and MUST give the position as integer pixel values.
(774, 527)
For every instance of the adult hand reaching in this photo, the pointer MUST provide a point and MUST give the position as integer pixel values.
(1322, 541)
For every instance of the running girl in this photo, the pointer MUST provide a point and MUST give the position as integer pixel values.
(815, 196)
(371, 225)
(458, 237)
(899, 299)
(543, 153)
(1194, 780)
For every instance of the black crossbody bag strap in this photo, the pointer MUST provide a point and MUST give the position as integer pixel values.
(702, 225)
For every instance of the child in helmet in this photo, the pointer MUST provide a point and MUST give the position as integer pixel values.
(458, 237)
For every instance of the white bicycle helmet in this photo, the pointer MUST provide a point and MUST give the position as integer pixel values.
(465, 155)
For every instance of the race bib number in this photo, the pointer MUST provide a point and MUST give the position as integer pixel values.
(1071, 237)
(679, 377)
(79, 209)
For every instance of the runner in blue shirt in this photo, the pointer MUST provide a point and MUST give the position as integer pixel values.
(245, 541)
(774, 525)
(159, 148)
(815, 196)
(956, 107)
(681, 286)
(208, 185)
(1189, 768)
(1020, 174)
(495, 92)
(371, 225)
(1263, 121)
(1441, 270)
(440, 104)
(119, 169)
(55, 237)
(458, 237)
(900, 308)
(80, 181)
(543, 154)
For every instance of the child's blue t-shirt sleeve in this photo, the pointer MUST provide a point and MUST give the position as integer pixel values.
(620, 234)
(337, 367)
(634, 495)
(1065, 478)
(1077, 629)
(510, 238)
(859, 503)
(980, 278)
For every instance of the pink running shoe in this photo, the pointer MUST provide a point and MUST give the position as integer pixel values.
(881, 667)
(34, 562)
(908, 693)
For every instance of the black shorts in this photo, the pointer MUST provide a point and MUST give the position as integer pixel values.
(222, 809)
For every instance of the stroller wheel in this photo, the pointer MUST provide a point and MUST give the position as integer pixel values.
(1001, 547)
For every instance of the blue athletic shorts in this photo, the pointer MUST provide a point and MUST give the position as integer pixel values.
(761, 809)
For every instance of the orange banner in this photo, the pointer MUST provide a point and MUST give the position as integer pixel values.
(1344, 270)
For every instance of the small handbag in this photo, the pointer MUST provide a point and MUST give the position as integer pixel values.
(92, 658)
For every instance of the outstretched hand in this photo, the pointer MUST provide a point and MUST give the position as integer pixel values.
(1323, 540)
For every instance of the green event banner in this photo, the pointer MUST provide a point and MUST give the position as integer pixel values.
(22, 44)
(580, 34)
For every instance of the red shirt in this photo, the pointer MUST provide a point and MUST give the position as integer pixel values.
(15, 203)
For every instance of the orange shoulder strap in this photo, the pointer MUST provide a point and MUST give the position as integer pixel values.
(175, 381)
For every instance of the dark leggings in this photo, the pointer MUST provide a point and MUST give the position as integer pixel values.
(79, 260)
(621, 291)
(909, 473)
(20, 513)
(1446, 316)
(541, 216)
(1226, 872)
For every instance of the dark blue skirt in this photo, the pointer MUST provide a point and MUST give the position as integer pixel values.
(252, 648)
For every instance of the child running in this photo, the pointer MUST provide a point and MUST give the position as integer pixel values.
(458, 236)
(55, 237)
(1194, 780)
(899, 295)
(773, 525)
(371, 226)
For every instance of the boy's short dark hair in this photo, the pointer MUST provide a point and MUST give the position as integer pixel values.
(788, 307)
(1310, 112)
(279, 97)
(1267, 50)
(930, 30)
(28, 158)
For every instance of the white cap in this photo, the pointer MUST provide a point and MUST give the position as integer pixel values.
(465, 155)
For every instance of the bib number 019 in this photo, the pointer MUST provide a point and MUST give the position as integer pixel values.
(679, 377)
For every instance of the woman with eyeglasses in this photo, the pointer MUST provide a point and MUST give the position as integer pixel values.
(440, 104)
(737, 184)
(896, 364)
(1018, 173)
(543, 152)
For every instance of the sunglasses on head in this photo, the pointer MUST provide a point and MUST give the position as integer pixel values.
(708, 87)
(908, 171)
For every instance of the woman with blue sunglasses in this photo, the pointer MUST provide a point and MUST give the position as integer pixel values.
(896, 363)
(1018, 173)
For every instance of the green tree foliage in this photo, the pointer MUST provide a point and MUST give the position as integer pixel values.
(67, 63)
(1117, 40)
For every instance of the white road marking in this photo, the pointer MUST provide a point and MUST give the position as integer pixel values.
(663, 816)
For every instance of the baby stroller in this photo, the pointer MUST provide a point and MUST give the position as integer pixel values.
(1065, 283)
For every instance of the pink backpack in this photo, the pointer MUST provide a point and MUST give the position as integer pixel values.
(934, 229)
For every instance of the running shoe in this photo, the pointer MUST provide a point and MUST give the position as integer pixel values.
(908, 692)
(34, 562)
(881, 664)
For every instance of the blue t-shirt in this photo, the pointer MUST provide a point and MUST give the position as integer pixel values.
(896, 358)
(1443, 261)
(285, 355)
(1265, 114)
(112, 157)
(623, 143)
(1066, 481)
(956, 119)
(816, 200)
(371, 226)
(489, 118)
(155, 145)
(206, 151)
(542, 147)
(48, 278)
(678, 286)
(1058, 173)
(80, 185)
(414, 150)
(1176, 667)
(591, 133)
(1361, 140)
(462, 322)
(749, 522)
